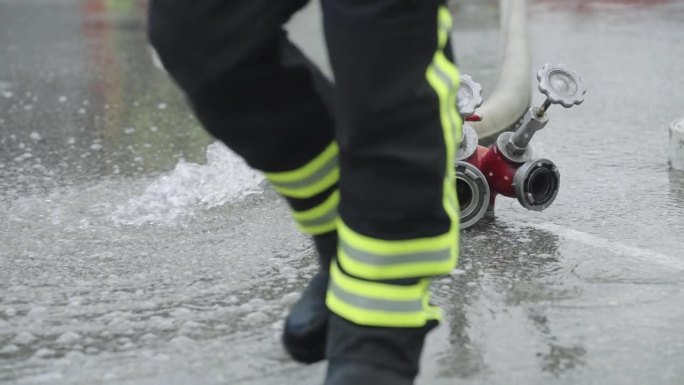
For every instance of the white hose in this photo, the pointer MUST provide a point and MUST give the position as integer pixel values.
(511, 97)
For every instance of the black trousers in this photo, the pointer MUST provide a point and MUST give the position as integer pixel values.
(392, 129)
(253, 89)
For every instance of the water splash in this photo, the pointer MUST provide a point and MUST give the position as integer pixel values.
(225, 178)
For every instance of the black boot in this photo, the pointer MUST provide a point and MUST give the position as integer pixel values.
(304, 335)
(364, 355)
(362, 373)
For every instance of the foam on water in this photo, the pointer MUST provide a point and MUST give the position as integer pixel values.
(225, 178)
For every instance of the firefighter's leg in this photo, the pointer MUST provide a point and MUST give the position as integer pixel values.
(255, 91)
(396, 127)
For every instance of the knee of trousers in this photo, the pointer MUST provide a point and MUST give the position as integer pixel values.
(163, 29)
(180, 44)
(197, 42)
(165, 35)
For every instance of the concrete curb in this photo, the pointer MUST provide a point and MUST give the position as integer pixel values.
(676, 151)
(511, 97)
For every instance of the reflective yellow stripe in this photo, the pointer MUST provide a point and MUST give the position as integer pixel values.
(378, 259)
(378, 304)
(308, 169)
(444, 78)
(310, 179)
(444, 24)
(448, 73)
(380, 246)
(320, 219)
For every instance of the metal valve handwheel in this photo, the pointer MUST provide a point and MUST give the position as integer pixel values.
(560, 85)
(469, 95)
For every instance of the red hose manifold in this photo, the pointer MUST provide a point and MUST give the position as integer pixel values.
(534, 182)
(507, 165)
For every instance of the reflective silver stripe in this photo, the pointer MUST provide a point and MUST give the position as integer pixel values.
(376, 304)
(322, 220)
(321, 173)
(449, 82)
(443, 255)
(445, 28)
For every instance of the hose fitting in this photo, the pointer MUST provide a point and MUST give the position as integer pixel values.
(536, 184)
(473, 193)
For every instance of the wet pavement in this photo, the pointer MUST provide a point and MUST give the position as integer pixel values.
(135, 251)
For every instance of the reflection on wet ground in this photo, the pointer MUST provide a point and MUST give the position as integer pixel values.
(133, 252)
(81, 100)
(511, 275)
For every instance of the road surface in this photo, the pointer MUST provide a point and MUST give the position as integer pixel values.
(134, 250)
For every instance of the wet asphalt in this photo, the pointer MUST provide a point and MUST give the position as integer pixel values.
(135, 251)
